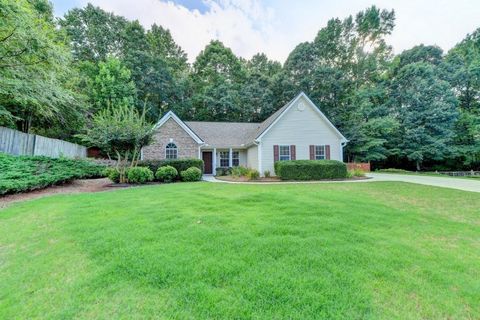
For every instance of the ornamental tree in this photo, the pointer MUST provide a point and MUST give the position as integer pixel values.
(120, 132)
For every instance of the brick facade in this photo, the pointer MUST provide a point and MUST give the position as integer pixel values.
(186, 146)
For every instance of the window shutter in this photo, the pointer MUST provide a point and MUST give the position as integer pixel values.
(327, 152)
(275, 153)
(312, 152)
(293, 155)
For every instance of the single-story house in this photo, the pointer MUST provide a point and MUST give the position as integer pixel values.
(298, 130)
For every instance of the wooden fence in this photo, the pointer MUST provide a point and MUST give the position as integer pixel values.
(364, 166)
(19, 143)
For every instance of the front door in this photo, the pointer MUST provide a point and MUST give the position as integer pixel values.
(207, 160)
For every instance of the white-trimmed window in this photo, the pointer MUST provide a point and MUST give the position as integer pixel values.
(284, 153)
(224, 159)
(320, 153)
(171, 151)
(235, 158)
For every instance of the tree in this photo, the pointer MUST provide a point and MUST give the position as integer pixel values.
(121, 131)
(111, 86)
(425, 107)
(94, 33)
(36, 86)
(217, 77)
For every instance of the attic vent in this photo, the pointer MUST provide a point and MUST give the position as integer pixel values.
(301, 106)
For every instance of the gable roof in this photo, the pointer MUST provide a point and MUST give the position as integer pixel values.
(238, 134)
(278, 115)
(170, 115)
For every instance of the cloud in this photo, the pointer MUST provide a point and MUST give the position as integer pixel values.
(275, 27)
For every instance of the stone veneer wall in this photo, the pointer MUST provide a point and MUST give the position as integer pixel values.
(187, 147)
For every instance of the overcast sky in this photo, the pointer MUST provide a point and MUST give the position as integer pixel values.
(275, 27)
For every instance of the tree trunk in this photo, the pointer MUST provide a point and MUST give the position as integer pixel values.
(418, 165)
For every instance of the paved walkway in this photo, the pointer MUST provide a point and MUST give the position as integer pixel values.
(445, 182)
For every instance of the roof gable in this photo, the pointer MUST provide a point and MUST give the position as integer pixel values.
(273, 119)
(171, 115)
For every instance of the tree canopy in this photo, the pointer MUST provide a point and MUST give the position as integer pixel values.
(417, 109)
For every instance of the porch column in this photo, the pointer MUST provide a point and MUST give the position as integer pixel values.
(230, 158)
(214, 160)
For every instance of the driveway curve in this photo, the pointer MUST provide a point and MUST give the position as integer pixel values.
(445, 182)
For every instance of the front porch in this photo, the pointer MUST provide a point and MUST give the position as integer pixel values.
(222, 158)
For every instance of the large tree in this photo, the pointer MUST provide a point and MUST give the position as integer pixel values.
(36, 79)
(425, 107)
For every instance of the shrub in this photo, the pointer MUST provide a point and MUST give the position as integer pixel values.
(25, 173)
(191, 174)
(223, 171)
(350, 174)
(267, 173)
(139, 175)
(112, 174)
(239, 171)
(179, 164)
(310, 169)
(358, 172)
(166, 174)
(253, 174)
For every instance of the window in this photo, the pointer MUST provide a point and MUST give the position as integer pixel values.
(171, 151)
(224, 159)
(284, 153)
(320, 152)
(235, 158)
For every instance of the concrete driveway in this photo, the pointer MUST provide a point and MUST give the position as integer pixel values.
(445, 182)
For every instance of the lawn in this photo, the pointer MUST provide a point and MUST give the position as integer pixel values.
(379, 250)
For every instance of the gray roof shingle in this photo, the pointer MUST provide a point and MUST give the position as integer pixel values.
(233, 134)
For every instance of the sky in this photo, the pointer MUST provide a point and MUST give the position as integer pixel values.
(276, 27)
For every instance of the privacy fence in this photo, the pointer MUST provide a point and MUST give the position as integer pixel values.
(19, 143)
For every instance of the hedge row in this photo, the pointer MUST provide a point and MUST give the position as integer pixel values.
(25, 173)
(179, 164)
(310, 169)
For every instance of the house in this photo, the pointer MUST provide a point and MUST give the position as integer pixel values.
(298, 130)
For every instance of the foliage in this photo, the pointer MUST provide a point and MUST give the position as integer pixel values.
(179, 164)
(267, 173)
(253, 174)
(119, 131)
(166, 174)
(222, 171)
(358, 172)
(111, 86)
(239, 171)
(37, 82)
(25, 173)
(139, 175)
(310, 169)
(113, 174)
(191, 174)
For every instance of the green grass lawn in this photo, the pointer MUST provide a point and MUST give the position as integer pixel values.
(380, 250)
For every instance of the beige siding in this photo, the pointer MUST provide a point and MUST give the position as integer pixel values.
(302, 129)
(243, 157)
(252, 157)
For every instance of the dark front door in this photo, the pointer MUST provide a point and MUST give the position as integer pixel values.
(207, 160)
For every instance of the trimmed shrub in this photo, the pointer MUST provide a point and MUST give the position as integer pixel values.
(112, 174)
(253, 174)
(191, 174)
(25, 173)
(239, 171)
(139, 175)
(310, 169)
(223, 171)
(179, 164)
(166, 174)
